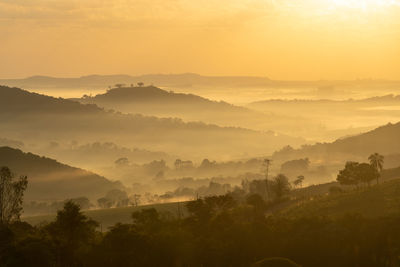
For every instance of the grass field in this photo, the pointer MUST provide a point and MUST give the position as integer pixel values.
(109, 217)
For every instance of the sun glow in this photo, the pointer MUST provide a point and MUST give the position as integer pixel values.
(364, 4)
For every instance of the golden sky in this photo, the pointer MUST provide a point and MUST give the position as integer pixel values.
(281, 39)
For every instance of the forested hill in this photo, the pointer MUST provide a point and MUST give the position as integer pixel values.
(15, 101)
(154, 101)
(154, 95)
(24, 115)
(384, 140)
(51, 180)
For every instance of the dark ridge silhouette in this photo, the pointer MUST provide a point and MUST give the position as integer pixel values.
(50, 180)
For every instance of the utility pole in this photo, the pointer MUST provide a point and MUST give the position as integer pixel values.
(267, 163)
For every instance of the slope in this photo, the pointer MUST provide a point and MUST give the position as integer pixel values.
(32, 118)
(154, 101)
(50, 180)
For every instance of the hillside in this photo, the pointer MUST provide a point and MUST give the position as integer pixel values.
(340, 117)
(377, 201)
(384, 140)
(49, 180)
(24, 115)
(154, 101)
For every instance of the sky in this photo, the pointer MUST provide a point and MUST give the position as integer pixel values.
(279, 39)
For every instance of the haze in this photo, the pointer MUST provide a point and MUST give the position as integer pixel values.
(284, 39)
(199, 133)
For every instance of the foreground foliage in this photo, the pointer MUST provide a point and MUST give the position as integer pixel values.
(219, 231)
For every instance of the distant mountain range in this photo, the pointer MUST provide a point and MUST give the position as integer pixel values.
(32, 117)
(175, 80)
(49, 180)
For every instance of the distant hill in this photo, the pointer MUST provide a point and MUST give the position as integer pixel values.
(154, 101)
(340, 117)
(32, 118)
(177, 80)
(95, 156)
(384, 140)
(50, 180)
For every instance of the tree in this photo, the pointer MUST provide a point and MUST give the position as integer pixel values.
(82, 202)
(11, 195)
(280, 186)
(299, 181)
(140, 84)
(355, 172)
(122, 162)
(366, 173)
(120, 85)
(348, 176)
(258, 204)
(376, 160)
(72, 233)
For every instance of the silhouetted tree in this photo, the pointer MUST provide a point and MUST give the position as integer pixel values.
(258, 203)
(120, 85)
(299, 181)
(376, 160)
(105, 203)
(11, 194)
(122, 162)
(355, 172)
(366, 173)
(71, 233)
(280, 186)
(348, 176)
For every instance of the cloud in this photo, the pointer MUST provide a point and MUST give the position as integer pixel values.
(130, 13)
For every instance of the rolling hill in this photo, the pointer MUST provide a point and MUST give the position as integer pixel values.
(154, 101)
(49, 180)
(384, 140)
(24, 115)
(377, 201)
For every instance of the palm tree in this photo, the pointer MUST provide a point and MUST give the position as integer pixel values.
(376, 160)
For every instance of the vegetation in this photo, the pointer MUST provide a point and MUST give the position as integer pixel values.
(11, 193)
(51, 180)
(376, 160)
(217, 231)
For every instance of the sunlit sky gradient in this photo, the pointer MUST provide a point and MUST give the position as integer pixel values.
(281, 39)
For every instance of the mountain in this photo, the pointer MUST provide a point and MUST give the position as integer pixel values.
(384, 140)
(340, 117)
(179, 80)
(154, 101)
(49, 180)
(38, 118)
